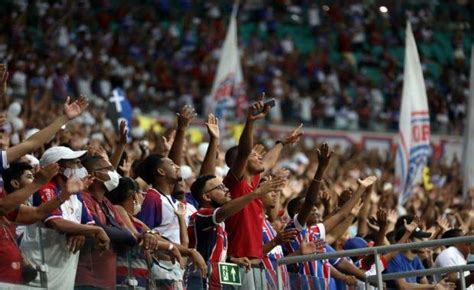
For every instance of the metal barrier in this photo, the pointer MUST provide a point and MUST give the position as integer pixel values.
(386, 249)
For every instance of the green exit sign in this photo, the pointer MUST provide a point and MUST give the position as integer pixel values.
(229, 274)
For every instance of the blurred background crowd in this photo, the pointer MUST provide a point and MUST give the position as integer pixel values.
(335, 64)
(328, 64)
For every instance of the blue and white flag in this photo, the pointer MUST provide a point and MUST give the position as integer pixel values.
(414, 127)
(119, 108)
(468, 148)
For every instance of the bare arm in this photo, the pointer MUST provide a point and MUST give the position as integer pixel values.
(183, 229)
(338, 231)
(246, 139)
(71, 109)
(11, 201)
(234, 206)
(312, 193)
(337, 218)
(271, 158)
(184, 118)
(120, 145)
(209, 164)
(362, 227)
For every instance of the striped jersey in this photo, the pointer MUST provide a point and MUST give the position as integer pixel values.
(320, 268)
(207, 236)
(270, 260)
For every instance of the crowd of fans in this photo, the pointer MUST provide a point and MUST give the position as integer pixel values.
(98, 211)
(337, 65)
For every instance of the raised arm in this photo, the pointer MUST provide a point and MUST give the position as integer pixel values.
(71, 110)
(184, 118)
(324, 155)
(246, 139)
(338, 231)
(120, 144)
(209, 164)
(235, 205)
(12, 200)
(271, 158)
(338, 217)
(32, 214)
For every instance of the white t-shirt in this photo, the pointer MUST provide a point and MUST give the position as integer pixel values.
(448, 258)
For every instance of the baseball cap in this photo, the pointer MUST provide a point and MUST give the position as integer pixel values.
(56, 153)
(355, 243)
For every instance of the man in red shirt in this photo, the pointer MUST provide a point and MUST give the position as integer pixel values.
(246, 166)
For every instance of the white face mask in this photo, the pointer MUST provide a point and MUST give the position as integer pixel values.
(113, 182)
(137, 207)
(75, 173)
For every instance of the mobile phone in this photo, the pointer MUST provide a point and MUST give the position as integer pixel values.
(270, 103)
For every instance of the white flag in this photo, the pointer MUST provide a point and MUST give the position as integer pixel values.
(468, 150)
(414, 127)
(228, 88)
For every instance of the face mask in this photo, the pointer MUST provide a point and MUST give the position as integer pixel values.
(113, 182)
(75, 173)
(137, 207)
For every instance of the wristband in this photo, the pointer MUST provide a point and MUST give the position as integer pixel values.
(315, 180)
(171, 247)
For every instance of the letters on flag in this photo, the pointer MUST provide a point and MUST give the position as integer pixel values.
(414, 127)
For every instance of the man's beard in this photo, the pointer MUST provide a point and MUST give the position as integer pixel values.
(215, 204)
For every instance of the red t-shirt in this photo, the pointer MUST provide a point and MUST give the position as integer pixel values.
(245, 227)
(10, 255)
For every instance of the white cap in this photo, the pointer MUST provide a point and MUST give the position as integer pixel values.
(301, 158)
(33, 161)
(56, 153)
(186, 171)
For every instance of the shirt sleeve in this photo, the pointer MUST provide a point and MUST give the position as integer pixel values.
(394, 265)
(332, 261)
(46, 194)
(151, 213)
(3, 160)
(322, 231)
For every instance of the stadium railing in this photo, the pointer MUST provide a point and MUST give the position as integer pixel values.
(377, 251)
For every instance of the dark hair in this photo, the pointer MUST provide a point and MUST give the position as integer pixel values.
(197, 188)
(89, 160)
(231, 155)
(400, 221)
(14, 172)
(126, 187)
(147, 168)
(453, 233)
(293, 205)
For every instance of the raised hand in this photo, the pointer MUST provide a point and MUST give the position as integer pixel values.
(3, 79)
(259, 149)
(285, 236)
(367, 182)
(344, 197)
(126, 167)
(412, 226)
(168, 142)
(74, 109)
(283, 173)
(212, 125)
(271, 185)
(258, 110)
(46, 173)
(123, 132)
(443, 223)
(382, 219)
(392, 216)
(326, 199)
(185, 116)
(98, 151)
(324, 155)
(294, 136)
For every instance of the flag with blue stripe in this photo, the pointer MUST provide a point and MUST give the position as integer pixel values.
(414, 127)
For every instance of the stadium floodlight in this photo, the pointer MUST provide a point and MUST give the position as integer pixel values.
(383, 9)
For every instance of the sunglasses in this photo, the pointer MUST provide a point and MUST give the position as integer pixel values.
(220, 187)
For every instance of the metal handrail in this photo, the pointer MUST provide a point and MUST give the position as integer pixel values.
(418, 273)
(376, 250)
(381, 250)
